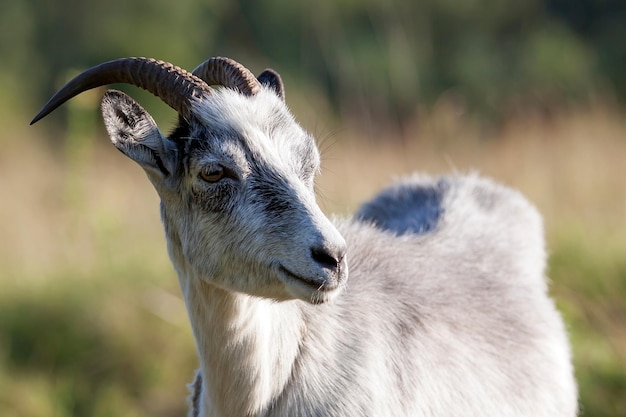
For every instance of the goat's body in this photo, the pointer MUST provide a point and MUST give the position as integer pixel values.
(446, 311)
(452, 322)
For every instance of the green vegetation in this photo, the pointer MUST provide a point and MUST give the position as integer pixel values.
(91, 318)
(376, 62)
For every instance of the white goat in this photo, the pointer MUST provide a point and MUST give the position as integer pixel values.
(447, 311)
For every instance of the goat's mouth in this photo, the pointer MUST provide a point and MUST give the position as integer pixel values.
(316, 290)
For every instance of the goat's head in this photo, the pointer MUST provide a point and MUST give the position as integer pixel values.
(235, 177)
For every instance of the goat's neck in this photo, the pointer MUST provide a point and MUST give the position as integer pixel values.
(247, 347)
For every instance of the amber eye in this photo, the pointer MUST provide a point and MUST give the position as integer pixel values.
(212, 173)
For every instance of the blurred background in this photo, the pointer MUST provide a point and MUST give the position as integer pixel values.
(530, 93)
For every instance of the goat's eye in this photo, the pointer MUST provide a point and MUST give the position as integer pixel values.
(212, 173)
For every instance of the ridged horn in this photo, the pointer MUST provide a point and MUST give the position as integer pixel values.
(228, 73)
(175, 86)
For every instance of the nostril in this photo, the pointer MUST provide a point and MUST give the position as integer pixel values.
(326, 259)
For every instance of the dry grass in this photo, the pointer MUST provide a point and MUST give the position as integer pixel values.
(573, 167)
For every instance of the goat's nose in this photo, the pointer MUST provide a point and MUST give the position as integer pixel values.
(328, 258)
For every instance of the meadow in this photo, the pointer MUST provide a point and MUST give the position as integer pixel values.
(92, 322)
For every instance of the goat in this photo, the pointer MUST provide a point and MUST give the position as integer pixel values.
(447, 312)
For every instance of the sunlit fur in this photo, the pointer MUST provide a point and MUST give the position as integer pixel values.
(445, 313)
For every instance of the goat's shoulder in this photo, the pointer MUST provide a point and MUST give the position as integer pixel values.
(453, 222)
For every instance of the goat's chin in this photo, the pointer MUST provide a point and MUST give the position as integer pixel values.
(303, 291)
(315, 297)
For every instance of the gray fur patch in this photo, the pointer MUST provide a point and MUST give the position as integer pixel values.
(408, 207)
(194, 397)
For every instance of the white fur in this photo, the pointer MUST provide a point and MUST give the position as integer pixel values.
(452, 319)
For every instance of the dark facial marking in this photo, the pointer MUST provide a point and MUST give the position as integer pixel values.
(272, 193)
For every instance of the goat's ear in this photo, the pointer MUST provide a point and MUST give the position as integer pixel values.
(272, 79)
(134, 132)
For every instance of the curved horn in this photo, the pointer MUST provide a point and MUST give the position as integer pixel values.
(229, 73)
(175, 86)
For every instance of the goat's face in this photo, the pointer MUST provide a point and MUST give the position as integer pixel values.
(237, 201)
